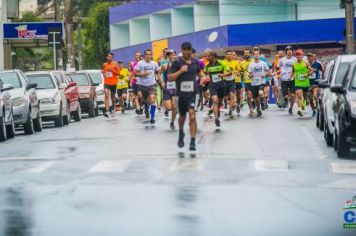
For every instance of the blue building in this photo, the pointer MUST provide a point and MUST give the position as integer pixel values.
(221, 24)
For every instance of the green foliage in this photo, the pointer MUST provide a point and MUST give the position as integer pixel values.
(29, 16)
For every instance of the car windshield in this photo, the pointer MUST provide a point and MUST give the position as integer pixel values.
(42, 81)
(96, 76)
(10, 78)
(80, 79)
(341, 72)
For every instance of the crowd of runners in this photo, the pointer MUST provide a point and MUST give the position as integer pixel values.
(180, 83)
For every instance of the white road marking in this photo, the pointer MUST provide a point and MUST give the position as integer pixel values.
(271, 165)
(35, 168)
(187, 165)
(28, 158)
(313, 143)
(113, 166)
(342, 168)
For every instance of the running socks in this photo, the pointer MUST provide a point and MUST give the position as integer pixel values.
(153, 112)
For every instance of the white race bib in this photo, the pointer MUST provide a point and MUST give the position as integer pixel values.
(215, 78)
(229, 78)
(187, 86)
(108, 74)
(171, 85)
(312, 76)
(257, 80)
(121, 82)
(301, 77)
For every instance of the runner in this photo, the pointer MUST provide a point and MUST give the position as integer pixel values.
(265, 100)
(111, 72)
(301, 72)
(216, 71)
(238, 83)
(164, 60)
(134, 84)
(258, 70)
(122, 86)
(146, 70)
(275, 81)
(185, 71)
(170, 91)
(318, 71)
(199, 82)
(230, 85)
(205, 85)
(247, 80)
(285, 66)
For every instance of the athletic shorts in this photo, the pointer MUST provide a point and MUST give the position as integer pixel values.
(305, 89)
(255, 89)
(168, 94)
(230, 87)
(112, 88)
(187, 103)
(267, 83)
(248, 87)
(238, 86)
(135, 88)
(275, 82)
(146, 91)
(217, 89)
(288, 86)
(314, 82)
(120, 92)
(205, 87)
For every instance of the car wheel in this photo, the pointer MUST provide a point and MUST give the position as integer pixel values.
(343, 147)
(37, 123)
(321, 121)
(59, 121)
(10, 129)
(28, 126)
(327, 135)
(335, 141)
(3, 136)
(91, 109)
(77, 115)
(66, 118)
(96, 109)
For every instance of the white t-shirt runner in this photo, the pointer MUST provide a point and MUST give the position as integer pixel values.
(259, 71)
(152, 67)
(287, 67)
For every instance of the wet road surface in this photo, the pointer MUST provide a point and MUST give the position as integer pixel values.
(122, 176)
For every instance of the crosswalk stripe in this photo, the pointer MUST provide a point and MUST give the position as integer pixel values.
(187, 165)
(112, 166)
(342, 168)
(271, 165)
(35, 168)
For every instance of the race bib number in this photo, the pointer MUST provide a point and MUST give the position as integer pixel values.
(187, 86)
(229, 78)
(215, 78)
(108, 74)
(313, 76)
(171, 85)
(121, 82)
(301, 77)
(257, 80)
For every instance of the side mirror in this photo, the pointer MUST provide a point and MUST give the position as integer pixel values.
(72, 84)
(96, 84)
(6, 87)
(339, 89)
(31, 86)
(324, 84)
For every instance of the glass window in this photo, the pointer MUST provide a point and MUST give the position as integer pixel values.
(340, 74)
(353, 82)
(96, 77)
(10, 78)
(80, 79)
(42, 81)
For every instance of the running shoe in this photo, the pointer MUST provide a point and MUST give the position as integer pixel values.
(231, 115)
(217, 122)
(147, 113)
(314, 113)
(152, 122)
(106, 115)
(210, 112)
(238, 109)
(259, 113)
(172, 126)
(290, 111)
(166, 113)
(300, 113)
(192, 146)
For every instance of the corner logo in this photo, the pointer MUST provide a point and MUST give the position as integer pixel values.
(23, 32)
(350, 214)
(213, 36)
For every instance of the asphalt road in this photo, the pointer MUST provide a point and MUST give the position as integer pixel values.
(121, 176)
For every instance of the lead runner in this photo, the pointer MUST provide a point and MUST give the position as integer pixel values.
(185, 71)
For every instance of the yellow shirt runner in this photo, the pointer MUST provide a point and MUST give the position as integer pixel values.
(123, 82)
(244, 69)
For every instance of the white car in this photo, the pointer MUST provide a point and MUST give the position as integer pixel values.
(98, 78)
(53, 103)
(338, 72)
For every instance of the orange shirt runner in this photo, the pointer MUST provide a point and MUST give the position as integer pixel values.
(111, 72)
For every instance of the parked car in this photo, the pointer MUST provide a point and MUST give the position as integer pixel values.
(98, 77)
(24, 100)
(345, 112)
(338, 73)
(7, 125)
(320, 119)
(72, 94)
(87, 92)
(53, 101)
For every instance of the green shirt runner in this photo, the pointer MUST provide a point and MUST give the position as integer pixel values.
(301, 74)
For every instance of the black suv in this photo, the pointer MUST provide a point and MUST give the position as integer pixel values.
(345, 113)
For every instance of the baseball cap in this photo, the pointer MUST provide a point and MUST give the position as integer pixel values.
(289, 48)
(187, 45)
(299, 52)
(170, 51)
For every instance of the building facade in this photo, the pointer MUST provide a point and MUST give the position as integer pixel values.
(221, 24)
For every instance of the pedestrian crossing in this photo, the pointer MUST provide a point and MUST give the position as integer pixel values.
(38, 165)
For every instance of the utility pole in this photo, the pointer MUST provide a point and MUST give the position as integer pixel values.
(57, 18)
(80, 41)
(69, 34)
(350, 31)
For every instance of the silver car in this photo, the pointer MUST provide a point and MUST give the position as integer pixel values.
(98, 78)
(7, 125)
(24, 100)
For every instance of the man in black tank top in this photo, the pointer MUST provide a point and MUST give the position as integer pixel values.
(185, 71)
